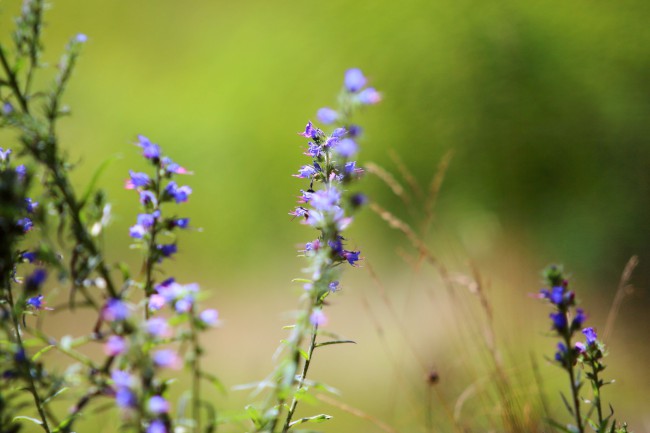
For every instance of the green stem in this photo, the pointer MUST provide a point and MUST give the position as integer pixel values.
(27, 365)
(574, 387)
(13, 81)
(303, 376)
(596, 387)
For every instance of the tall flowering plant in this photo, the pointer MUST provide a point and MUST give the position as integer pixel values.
(145, 325)
(567, 323)
(326, 204)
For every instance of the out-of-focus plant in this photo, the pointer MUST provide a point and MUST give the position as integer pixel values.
(145, 325)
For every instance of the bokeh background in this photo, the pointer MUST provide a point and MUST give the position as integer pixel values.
(545, 106)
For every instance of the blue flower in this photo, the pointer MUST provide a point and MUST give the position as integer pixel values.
(21, 171)
(137, 180)
(148, 197)
(591, 335)
(81, 38)
(557, 295)
(28, 256)
(157, 426)
(312, 132)
(351, 256)
(327, 115)
(354, 80)
(325, 199)
(561, 353)
(167, 249)
(179, 194)
(137, 231)
(167, 358)
(115, 310)
(7, 109)
(36, 302)
(172, 167)
(4, 154)
(210, 317)
(306, 171)
(182, 223)
(579, 319)
(30, 205)
(35, 280)
(346, 147)
(25, 224)
(369, 96)
(149, 149)
(158, 405)
(559, 321)
(125, 398)
(115, 345)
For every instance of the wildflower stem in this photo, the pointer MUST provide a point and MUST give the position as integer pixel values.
(196, 374)
(13, 81)
(27, 365)
(301, 381)
(595, 382)
(574, 386)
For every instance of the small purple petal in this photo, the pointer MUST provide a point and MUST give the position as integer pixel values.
(354, 80)
(327, 115)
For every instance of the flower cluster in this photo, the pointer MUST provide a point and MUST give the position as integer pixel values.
(567, 322)
(144, 334)
(328, 208)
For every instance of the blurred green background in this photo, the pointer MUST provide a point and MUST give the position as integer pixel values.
(545, 104)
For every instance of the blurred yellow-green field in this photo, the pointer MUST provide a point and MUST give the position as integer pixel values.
(543, 108)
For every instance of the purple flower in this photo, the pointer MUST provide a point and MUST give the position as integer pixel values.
(580, 347)
(81, 38)
(327, 115)
(25, 224)
(157, 426)
(7, 109)
(306, 171)
(561, 352)
(149, 150)
(148, 197)
(21, 171)
(30, 205)
(4, 154)
(354, 80)
(182, 223)
(336, 246)
(346, 147)
(167, 358)
(318, 318)
(122, 379)
(312, 132)
(180, 194)
(158, 405)
(115, 345)
(158, 327)
(184, 305)
(36, 302)
(557, 295)
(35, 280)
(156, 302)
(137, 231)
(209, 317)
(172, 167)
(579, 319)
(28, 256)
(358, 199)
(115, 310)
(299, 212)
(351, 256)
(312, 246)
(313, 150)
(125, 398)
(147, 220)
(136, 180)
(369, 96)
(591, 336)
(325, 199)
(559, 321)
(354, 131)
(333, 286)
(167, 249)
